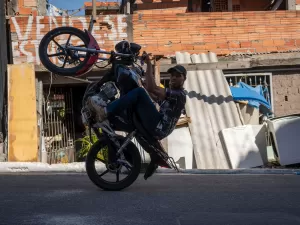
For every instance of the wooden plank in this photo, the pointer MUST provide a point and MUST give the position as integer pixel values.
(22, 114)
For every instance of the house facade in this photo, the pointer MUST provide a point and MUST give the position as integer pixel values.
(259, 39)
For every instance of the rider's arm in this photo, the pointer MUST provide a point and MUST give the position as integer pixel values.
(151, 87)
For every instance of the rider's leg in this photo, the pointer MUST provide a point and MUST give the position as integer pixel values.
(139, 100)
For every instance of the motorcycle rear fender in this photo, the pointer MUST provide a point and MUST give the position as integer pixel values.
(92, 58)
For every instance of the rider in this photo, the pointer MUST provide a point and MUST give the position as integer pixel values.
(159, 123)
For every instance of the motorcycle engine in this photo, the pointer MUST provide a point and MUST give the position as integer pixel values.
(108, 92)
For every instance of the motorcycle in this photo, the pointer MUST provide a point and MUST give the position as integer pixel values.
(118, 153)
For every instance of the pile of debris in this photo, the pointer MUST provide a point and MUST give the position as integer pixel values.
(230, 127)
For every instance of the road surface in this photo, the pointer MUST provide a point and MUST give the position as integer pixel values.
(163, 199)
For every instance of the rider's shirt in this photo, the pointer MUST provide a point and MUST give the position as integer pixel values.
(171, 109)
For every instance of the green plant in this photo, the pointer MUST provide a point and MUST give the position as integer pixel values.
(86, 145)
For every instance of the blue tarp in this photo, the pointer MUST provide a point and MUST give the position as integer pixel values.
(254, 96)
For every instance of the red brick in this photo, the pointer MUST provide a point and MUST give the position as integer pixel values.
(227, 30)
(211, 46)
(246, 44)
(187, 47)
(238, 15)
(257, 44)
(238, 30)
(199, 47)
(221, 23)
(260, 49)
(253, 36)
(285, 48)
(268, 43)
(290, 42)
(272, 49)
(216, 30)
(280, 14)
(279, 42)
(223, 45)
(234, 44)
(291, 14)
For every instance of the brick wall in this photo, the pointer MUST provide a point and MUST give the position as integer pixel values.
(164, 33)
(286, 94)
(160, 4)
(27, 7)
(196, 5)
(26, 33)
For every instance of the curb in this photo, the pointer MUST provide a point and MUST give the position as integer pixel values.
(233, 171)
(27, 167)
(79, 167)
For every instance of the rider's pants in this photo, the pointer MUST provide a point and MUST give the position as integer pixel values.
(139, 100)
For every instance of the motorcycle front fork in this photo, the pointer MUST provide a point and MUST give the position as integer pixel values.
(114, 143)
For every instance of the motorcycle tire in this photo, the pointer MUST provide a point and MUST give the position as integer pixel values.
(43, 47)
(131, 153)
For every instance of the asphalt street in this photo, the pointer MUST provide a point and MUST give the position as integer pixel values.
(164, 199)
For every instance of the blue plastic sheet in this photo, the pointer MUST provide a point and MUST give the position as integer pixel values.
(254, 95)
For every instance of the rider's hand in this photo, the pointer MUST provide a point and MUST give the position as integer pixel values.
(147, 57)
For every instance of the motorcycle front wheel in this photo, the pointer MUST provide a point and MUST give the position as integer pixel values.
(97, 160)
(54, 56)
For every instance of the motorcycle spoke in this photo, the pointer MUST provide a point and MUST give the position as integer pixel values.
(128, 168)
(57, 44)
(118, 175)
(65, 61)
(105, 172)
(56, 54)
(68, 40)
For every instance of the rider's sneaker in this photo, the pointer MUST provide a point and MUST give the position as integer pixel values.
(95, 102)
(150, 170)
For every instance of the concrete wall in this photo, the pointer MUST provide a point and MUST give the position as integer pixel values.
(286, 93)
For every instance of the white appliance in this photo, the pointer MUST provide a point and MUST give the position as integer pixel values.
(286, 135)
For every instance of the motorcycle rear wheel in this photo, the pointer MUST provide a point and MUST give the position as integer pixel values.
(132, 155)
(43, 49)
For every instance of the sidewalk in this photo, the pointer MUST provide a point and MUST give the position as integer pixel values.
(79, 167)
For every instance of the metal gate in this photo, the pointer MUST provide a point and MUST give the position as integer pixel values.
(58, 123)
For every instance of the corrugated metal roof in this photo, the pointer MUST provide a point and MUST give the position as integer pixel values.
(211, 108)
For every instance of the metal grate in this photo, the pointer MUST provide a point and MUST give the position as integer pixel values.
(220, 5)
(236, 8)
(58, 123)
